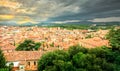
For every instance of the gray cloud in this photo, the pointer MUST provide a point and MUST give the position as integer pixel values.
(4, 10)
(95, 9)
(62, 10)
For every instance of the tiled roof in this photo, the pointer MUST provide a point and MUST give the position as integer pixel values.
(23, 55)
(8, 47)
(94, 42)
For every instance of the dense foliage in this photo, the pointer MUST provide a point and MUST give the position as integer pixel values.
(114, 37)
(78, 58)
(2, 60)
(4, 69)
(28, 45)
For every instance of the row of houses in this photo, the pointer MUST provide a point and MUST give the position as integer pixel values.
(21, 60)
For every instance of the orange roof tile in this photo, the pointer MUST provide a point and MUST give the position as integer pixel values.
(94, 42)
(8, 47)
(23, 55)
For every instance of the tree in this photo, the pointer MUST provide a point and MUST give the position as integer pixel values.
(86, 61)
(2, 60)
(78, 58)
(115, 39)
(28, 45)
(37, 46)
(90, 62)
(100, 51)
(50, 60)
(110, 33)
(76, 49)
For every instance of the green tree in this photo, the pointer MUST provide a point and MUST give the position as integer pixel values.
(37, 45)
(49, 60)
(110, 34)
(86, 61)
(90, 62)
(2, 60)
(76, 49)
(100, 51)
(78, 58)
(115, 40)
(28, 45)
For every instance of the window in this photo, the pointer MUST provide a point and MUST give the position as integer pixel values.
(34, 63)
(29, 63)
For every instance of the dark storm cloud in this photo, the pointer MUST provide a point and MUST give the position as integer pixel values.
(101, 6)
(94, 9)
(63, 10)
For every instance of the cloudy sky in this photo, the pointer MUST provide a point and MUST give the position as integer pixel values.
(59, 11)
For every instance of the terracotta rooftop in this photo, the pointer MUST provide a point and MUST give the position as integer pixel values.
(94, 42)
(8, 47)
(23, 55)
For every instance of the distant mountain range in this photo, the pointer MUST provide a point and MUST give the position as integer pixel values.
(52, 24)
